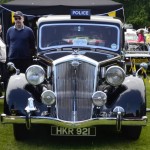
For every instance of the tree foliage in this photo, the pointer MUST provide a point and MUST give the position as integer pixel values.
(137, 12)
(4, 1)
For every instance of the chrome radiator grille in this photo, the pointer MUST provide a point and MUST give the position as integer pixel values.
(74, 88)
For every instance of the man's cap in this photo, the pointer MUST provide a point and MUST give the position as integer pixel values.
(18, 13)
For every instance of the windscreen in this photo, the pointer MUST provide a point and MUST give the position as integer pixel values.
(103, 36)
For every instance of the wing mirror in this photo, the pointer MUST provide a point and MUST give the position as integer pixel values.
(143, 68)
(11, 67)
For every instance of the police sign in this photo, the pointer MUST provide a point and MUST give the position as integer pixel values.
(80, 13)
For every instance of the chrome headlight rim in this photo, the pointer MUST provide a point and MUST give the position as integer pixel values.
(48, 97)
(99, 98)
(35, 74)
(121, 76)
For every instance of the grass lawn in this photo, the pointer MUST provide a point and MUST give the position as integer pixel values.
(107, 140)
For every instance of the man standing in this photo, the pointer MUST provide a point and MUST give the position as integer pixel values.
(20, 43)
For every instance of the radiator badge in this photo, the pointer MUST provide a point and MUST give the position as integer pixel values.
(75, 63)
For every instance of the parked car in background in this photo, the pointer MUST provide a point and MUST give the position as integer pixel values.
(134, 52)
(77, 82)
(131, 37)
(135, 55)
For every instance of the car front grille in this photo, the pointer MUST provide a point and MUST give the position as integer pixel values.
(74, 88)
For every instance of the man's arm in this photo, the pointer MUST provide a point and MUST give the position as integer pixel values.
(32, 43)
(7, 43)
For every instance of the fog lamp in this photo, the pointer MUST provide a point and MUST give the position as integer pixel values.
(48, 97)
(99, 98)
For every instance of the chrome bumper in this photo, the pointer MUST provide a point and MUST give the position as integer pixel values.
(68, 124)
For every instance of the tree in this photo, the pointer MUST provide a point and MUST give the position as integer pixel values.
(136, 12)
(4, 1)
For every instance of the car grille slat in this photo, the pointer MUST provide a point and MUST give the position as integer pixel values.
(78, 85)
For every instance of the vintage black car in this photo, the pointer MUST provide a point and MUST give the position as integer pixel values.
(77, 82)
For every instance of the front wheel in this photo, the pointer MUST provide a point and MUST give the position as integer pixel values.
(132, 132)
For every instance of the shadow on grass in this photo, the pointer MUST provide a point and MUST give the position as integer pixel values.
(107, 138)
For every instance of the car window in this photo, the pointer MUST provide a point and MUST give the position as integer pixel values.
(79, 34)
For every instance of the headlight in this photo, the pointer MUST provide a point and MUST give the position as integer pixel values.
(115, 75)
(48, 97)
(99, 98)
(35, 74)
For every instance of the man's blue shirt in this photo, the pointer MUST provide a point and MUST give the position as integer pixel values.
(21, 43)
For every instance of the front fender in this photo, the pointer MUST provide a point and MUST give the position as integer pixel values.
(133, 99)
(16, 95)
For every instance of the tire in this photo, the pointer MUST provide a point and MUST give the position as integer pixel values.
(132, 132)
(20, 132)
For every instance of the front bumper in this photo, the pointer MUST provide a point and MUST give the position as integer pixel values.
(74, 124)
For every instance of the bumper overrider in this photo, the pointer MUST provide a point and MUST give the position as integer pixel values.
(116, 121)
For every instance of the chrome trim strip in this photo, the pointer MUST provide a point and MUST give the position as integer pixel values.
(86, 123)
(75, 57)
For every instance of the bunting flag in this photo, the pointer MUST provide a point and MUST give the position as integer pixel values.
(12, 18)
(133, 66)
(112, 14)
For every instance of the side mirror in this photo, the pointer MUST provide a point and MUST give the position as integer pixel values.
(11, 67)
(143, 67)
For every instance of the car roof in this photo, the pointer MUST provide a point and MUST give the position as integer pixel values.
(68, 18)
